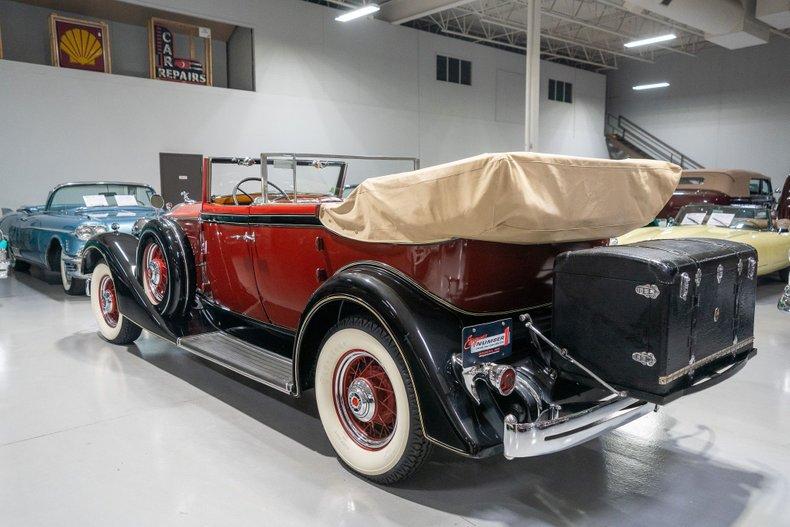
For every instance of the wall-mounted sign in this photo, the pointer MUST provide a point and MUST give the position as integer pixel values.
(179, 52)
(79, 44)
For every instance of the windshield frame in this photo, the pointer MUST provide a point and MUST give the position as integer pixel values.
(51, 195)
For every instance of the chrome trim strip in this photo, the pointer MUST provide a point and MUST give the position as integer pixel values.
(64, 231)
(729, 350)
(434, 296)
(297, 347)
(553, 435)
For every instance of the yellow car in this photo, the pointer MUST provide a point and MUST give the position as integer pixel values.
(752, 225)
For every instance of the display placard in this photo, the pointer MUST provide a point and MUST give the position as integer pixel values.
(165, 38)
(79, 44)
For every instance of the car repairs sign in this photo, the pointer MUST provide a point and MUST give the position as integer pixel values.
(487, 342)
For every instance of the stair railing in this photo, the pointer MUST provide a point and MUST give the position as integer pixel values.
(636, 136)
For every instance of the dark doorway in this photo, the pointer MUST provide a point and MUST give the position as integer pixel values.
(180, 173)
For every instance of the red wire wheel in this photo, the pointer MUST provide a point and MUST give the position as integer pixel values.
(108, 301)
(364, 400)
(155, 273)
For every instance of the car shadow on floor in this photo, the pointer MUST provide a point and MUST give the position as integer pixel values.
(44, 282)
(608, 481)
(296, 418)
(612, 480)
(769, 288)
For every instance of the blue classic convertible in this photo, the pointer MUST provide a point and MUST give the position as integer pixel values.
(52, 235)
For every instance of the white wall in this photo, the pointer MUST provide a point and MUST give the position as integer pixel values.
(725, 109)
(365, 87)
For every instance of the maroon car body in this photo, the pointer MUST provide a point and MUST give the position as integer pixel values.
(384, 333)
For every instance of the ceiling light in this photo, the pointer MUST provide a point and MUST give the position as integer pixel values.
(651, 40)
(358, 13)
(651, 86)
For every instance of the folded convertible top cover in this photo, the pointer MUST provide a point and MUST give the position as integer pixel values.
(518, 197)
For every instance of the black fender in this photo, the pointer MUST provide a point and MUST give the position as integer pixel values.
(427, 333)
(180, 263)
(118, 251)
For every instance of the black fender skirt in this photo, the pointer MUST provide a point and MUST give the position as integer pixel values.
(119, 252)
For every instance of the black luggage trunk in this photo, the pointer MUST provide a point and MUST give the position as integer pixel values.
(650, 316)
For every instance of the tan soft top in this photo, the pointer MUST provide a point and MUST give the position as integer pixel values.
(734, 183)
(517, 197)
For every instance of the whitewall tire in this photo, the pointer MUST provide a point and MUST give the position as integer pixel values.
(367, 403)
(113, 326)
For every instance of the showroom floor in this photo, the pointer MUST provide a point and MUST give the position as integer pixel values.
(94, 434)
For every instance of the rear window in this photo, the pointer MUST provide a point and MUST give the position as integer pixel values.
(692, 180)
(759, 187)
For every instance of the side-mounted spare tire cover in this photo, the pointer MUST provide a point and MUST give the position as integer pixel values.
(166, 266)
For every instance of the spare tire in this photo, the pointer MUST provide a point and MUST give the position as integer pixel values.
(165, 266)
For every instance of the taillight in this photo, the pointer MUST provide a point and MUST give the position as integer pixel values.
(502, 378)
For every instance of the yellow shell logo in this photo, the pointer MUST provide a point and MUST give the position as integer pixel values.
(81, 46)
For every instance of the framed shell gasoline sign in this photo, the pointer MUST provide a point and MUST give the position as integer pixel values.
(79, 44)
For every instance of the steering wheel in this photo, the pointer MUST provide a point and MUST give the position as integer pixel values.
(237, 189)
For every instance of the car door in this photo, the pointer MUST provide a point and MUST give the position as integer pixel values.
(29, 237)
(229, 279)
(289, 258)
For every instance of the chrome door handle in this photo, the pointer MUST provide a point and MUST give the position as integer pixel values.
(247, 237)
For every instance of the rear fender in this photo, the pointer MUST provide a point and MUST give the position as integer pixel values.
(427, 334)
(118, 251)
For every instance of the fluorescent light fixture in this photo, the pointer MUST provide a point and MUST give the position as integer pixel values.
(651, 40)
(651, 86)
(358, 13)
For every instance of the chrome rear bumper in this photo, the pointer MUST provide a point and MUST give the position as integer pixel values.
(553, 435)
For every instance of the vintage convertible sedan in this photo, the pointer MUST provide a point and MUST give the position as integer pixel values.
(52, 235)
(753, 225)
(472, 306)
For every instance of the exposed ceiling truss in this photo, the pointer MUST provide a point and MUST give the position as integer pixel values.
(588, 34)
(585, 33)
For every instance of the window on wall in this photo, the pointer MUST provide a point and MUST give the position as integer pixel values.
(457, 71)
(560, 91)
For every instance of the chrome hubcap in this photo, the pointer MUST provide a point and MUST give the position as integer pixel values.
(153, 269)
(107, 302)
(361, 400)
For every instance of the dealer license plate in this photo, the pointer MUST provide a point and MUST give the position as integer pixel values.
(487, 342)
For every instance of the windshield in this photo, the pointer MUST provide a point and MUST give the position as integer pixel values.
(315, 178)
(748, 218)
(100, 195)
(239, 181)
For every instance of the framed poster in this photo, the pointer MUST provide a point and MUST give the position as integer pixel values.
(79, 44)
(167, 43)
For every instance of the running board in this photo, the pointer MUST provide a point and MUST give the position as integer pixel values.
(242, 357)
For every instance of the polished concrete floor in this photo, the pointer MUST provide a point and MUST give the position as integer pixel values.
(94, 434)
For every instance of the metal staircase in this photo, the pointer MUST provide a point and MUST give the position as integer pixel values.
(625, 139)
